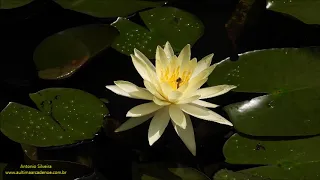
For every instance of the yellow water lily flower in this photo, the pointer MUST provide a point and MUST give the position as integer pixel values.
(173, 87)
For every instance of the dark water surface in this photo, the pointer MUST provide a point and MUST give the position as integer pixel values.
(24, 28)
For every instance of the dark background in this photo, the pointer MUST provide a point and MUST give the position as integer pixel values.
(22, 29)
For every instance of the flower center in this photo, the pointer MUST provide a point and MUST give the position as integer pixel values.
(174, 76)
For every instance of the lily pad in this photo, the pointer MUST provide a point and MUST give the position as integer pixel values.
(107, 8)
(175, 25)
(288, 113)
(62, 54)
(165, 24)
(305, 10)
(270, 70)
(230, 175)
(66, 116)
(242, 150)
(10, 4)
(294, 172)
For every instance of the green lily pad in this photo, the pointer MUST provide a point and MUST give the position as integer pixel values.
(66, 116)
(230, 175)
(271, 70)
(288, 113)
(162, 171)
(175, 25)
(10, 4)
(107, 8)
(242, 150)
(62, 54)
(305, 10)
(294, 172)
(135, 36)
(165, 24)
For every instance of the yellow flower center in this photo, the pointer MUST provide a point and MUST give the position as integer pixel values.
(174, 77)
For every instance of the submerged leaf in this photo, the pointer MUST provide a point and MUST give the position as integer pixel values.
(62, 54)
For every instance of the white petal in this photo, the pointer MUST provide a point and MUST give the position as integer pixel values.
(153, 89)
(204, 74)
(158, 124)
(204, 113)
(160, 102)
(161, 55)
(143, 109)
(118, 91)
(174, 96)
(192, 88)
(185, 54)
(141, 67)
(168, 50)
(133, 122)
(177, 116)
(189, 100)
(214, 91)
(204, 104)
(187, 135)
(203, 64)
(140, 55)
(134, 90)
(166, 89)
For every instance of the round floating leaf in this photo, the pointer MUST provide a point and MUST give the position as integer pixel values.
(305, 10)
(165, 24)
(107, 8)
(176, 26)
(293, 172)
(135, 36)
(288, 113)
(270, 70)
(62, 54)
(242, 150)
(9, 4)
(230, 175)
(66, 116)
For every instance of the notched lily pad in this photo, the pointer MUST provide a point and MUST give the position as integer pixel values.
(267, 152)
(305, 10)
(135, 36)
(268, 71)
(62, 54)
(165, 24)
(66, 116)
(287, 113)
(107, 8)
(10, 4)
(175, 25)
